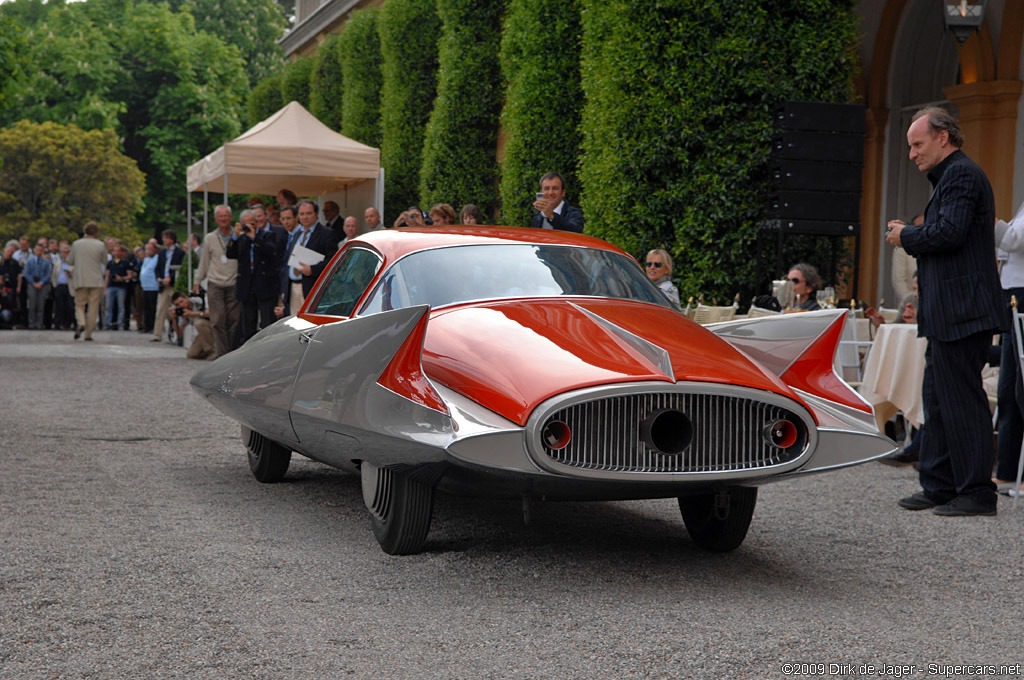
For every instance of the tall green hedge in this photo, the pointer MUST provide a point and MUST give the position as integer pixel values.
(295, 81)
(540, 61)
(408, 32)
(459, 164)
(325, 83)
(264, 99)
(677, 123)
(359, 46)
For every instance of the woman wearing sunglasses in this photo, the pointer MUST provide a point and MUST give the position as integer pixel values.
(806, 283)
(659, 270)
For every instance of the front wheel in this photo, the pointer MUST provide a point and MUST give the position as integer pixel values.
(268, 460)
(400, 509)
(718, 520)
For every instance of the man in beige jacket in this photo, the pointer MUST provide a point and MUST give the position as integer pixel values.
(88, 256)
(220, 271)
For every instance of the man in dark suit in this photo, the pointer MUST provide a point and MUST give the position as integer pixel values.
(332, 218)
(168, 261)
(314, 236)
(260, 252)
(960, 309)
(553, 211)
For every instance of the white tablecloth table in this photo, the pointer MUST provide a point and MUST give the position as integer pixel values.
(894, 372)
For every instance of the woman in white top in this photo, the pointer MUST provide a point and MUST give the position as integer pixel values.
(659, 270)
(1010, 391)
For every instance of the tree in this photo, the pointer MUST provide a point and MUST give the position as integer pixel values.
(408, 45)
(359, 49)
(182, 92)
(459, 164)
(55, 178)
(540, 61)
(295, 81)
(677, 121)
(325, 83)
(253, 26)
(11, 50)
(171, 93)
(264, 99)
(73, 73)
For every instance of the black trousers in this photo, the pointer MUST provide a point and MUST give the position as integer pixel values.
(257, 314)
(149, 303)
(63, 307)
(956, 443)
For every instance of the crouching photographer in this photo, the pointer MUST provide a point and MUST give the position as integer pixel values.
(187, 310)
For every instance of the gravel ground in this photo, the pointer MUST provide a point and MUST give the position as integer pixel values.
(135, 544)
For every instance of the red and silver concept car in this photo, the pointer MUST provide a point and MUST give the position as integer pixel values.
(536, 364)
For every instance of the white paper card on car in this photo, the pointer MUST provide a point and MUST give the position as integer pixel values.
(302, 255)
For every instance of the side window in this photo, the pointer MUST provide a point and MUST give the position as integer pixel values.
(339, 295)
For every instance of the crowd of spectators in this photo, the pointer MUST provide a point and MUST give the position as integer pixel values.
(251, 271)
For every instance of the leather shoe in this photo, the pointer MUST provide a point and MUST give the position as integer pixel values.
(901, 459)
(78, 331)
(964, 506)
(919, 501)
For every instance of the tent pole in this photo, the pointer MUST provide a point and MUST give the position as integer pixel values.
(188, 238)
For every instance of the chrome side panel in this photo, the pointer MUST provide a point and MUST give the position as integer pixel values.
(254, 383)
(337, 391)
(843, 448)
(484, 438)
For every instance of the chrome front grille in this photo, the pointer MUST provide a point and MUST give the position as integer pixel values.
(728, 434)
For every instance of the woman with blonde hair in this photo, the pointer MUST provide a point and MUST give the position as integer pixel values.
(658, 266)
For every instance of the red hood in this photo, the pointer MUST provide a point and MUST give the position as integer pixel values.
(510, 356)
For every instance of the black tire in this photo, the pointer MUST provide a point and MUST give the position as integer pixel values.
(268, 460)
(400, 509)
(719, 529)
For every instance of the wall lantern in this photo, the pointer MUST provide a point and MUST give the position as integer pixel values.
(964, 17)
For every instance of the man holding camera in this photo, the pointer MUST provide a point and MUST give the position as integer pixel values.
(553, 211)
(187, 310)
(259, 252)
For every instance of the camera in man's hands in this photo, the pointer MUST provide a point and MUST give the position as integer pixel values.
(179, 311)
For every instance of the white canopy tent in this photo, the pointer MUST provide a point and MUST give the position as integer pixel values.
(293, 150)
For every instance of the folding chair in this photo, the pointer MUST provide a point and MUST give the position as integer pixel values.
(849, 352)
(1018, 331)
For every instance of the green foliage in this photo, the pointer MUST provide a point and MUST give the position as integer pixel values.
(264, 99)
(326, 83)
(677, 122)
(295, 81)
(459, 164)
(170, 92)
(12, 50)
(182, 91)
(26, 13)
(253, 26)
(359, 47)
(408, 45)
(55, 178)
(80, 69)
(540, 61)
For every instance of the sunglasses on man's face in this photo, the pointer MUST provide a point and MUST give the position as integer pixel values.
(656, 265)
(796, 280)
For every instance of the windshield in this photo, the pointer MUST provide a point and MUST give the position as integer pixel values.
(446, 276)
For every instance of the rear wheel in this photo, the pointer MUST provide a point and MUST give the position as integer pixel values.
(718, 520)
(268, 460)
(400, 509)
